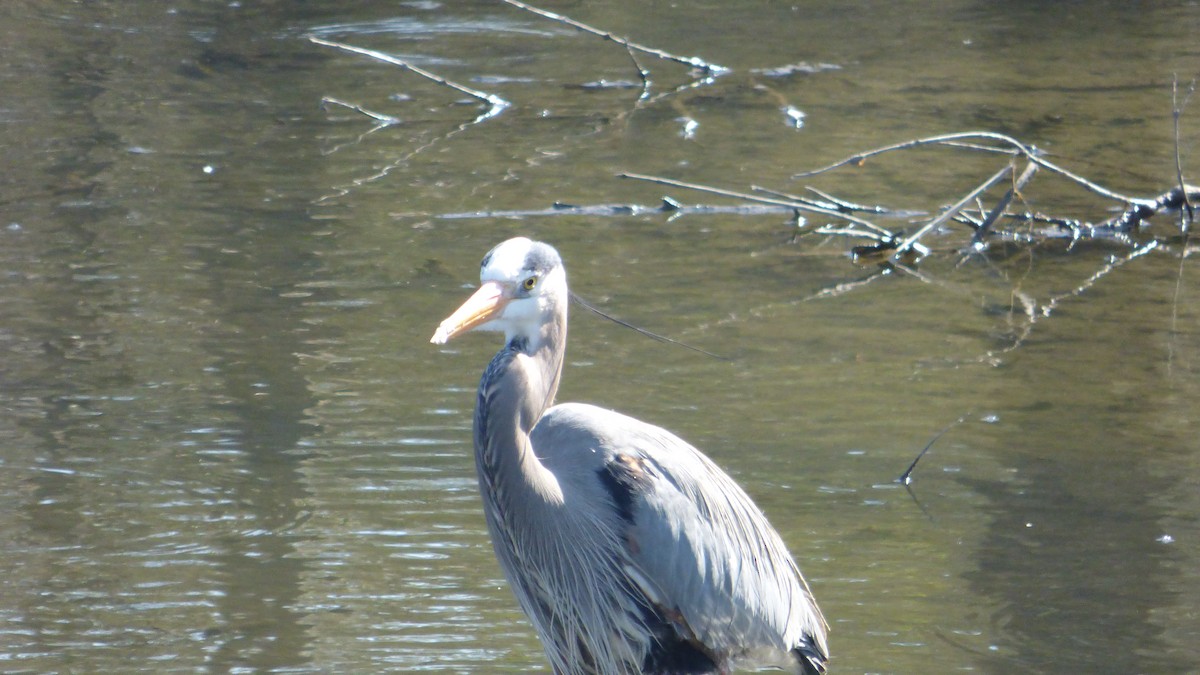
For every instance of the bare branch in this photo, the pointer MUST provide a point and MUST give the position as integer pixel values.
(693, 61)
(1085, 183)
(799, 206)
(946, 139)
(642, 73)
(854, 232)
(1029, 152)
(984, 226)
(845, 205)
(949, 213)
(1176, 112)
(497, 104)
(830, 202)
(384, 120)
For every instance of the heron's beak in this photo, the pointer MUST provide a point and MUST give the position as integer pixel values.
(485, 305)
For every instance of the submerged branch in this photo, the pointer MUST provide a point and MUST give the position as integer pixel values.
(949, 213)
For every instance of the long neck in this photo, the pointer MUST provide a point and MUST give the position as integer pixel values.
(516, 389)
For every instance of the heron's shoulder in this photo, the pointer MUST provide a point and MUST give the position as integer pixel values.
(602, 439)
(587, 415)
(605, 428)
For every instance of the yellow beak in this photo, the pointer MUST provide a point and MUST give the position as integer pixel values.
(485, 305)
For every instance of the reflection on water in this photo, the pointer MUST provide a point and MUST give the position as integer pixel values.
(1057, 573)
(228, 447)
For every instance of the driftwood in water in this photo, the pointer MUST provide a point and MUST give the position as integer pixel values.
(989, 224)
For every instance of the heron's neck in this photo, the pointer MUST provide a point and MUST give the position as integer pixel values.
(516, 389)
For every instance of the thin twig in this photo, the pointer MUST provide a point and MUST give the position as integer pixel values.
(642, 73)
(384, 120)
(761, 200)
(944, 139)
(906, 477)
(830, 204)
(981, 147)
(693, 61)
(842, 204)
(1187, 214)
(498, 104)
(1029, 152)
(981, 230)
(845, 287)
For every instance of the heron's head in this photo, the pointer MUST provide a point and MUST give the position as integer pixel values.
(523, 284)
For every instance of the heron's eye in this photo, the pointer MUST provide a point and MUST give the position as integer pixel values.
(529, 283)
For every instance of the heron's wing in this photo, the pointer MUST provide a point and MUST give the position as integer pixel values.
(700, 539)
(699, 547)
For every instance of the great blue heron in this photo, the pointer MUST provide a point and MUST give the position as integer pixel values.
(630, 550)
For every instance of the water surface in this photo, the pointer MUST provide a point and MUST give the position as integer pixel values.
(229, 447)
